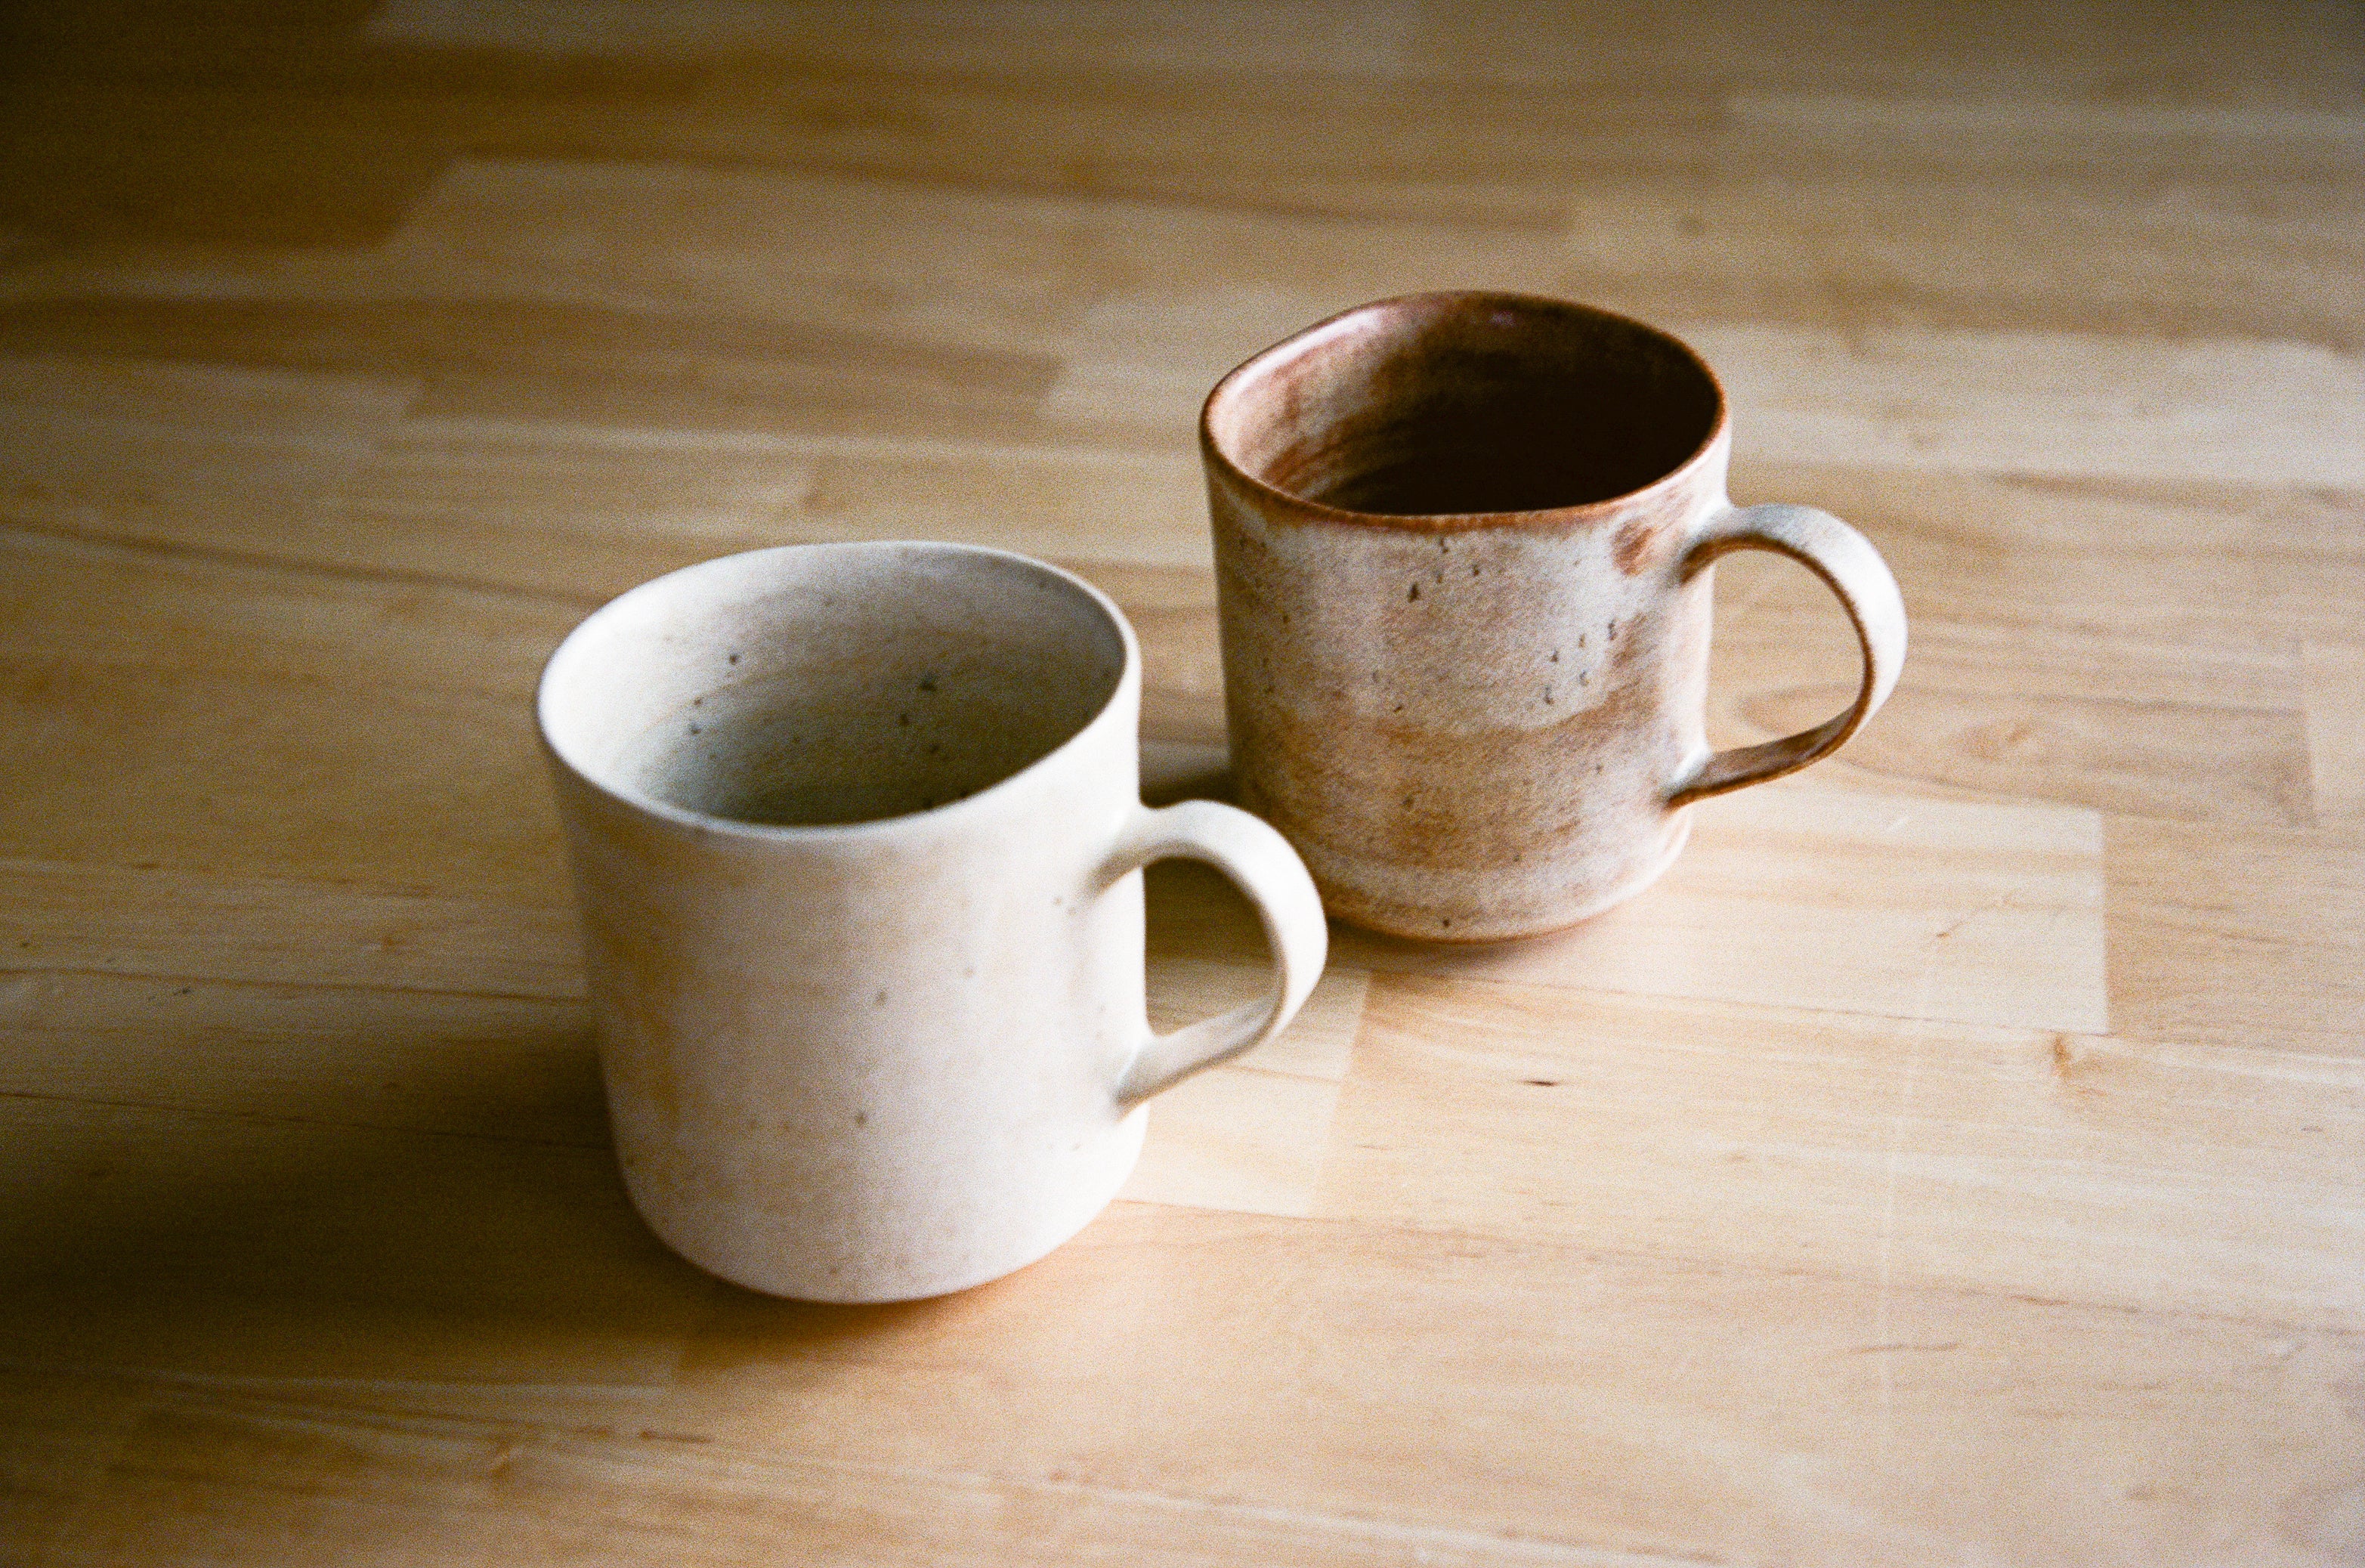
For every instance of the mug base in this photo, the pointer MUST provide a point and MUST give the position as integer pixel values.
(1473, 925)
(848, 1281)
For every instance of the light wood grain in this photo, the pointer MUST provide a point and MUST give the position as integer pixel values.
(1451, 1381)
(1779, 899)
(2014, 1163)
(648, 1496)
(2334, 683)
(1955, 1159)
(2237, 936)
(2047, 403)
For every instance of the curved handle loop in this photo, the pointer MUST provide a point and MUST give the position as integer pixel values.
(1854, 570)
(1266, 868)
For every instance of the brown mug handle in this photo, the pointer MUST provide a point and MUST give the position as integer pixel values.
(1854, 570)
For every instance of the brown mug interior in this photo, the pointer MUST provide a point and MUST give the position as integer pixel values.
(1453, 404)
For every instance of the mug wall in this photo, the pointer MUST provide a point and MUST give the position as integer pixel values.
(868, 1070)
(1469, 733)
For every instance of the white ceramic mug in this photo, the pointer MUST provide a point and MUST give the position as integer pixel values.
(857, 831)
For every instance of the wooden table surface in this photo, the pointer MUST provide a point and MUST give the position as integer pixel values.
(1958, 1157)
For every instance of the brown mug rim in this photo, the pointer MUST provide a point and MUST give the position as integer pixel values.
(1437, 300)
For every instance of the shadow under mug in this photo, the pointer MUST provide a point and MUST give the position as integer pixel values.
(1464, 546)
(857, 831)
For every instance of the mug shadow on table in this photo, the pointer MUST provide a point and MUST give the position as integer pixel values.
(380, 1200)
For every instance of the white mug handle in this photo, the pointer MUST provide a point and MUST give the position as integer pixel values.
(1264, 866)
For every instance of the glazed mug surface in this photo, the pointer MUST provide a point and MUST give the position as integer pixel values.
(855, 832)
(1464, 546)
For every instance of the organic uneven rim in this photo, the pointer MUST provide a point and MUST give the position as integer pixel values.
(1237, 383)
(701, 821)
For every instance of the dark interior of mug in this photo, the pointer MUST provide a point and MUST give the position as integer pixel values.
(841, 684)
(1464, 403)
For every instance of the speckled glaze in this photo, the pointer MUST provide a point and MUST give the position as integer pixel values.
(887, 1041)
(1464, 546)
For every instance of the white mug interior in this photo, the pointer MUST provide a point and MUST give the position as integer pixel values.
(830, 685)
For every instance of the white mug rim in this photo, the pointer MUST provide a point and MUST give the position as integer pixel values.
(949, 813)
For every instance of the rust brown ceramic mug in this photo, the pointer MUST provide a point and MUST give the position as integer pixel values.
(1463, 545)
